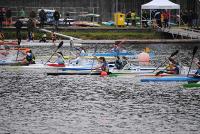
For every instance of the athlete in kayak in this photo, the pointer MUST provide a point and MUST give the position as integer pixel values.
(30, 58)
(103, 65)
(60, 59)
(117, 47)
(197, 74)
(172, 68)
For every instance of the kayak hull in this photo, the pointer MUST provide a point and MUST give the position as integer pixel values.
(191, 85)
(170, 79)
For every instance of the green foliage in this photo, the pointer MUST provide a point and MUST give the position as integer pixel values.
(92, 35)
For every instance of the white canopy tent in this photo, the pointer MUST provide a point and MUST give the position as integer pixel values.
(159, 4)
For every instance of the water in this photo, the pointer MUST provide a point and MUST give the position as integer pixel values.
(32, 102)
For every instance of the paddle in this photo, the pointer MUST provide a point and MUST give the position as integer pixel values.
(59, 46)
(173, 54)
(193, 54)
(71, 44)
(95, 50)
(18, 42)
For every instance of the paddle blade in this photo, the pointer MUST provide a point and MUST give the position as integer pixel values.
(195, 50)
(60, 44)
(174, 53)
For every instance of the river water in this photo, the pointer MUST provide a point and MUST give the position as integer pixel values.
(32, 102)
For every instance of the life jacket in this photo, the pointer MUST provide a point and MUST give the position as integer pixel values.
(118, 64)
(173, 68)
(30, 58)
(104, 67)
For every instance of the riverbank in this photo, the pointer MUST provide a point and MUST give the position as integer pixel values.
(135, 35)
(92, 33)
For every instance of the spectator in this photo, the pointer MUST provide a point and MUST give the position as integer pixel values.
(43, 18)
(30, 28)
(190, 18)
(184, 17)
(195, 20)
(128, 18)
(1, 19)
(133, 18)
(8, 17)
(56, 16)
(144, 18)
(22, 13)
(166, 19)
(18, 26)
(158, 19)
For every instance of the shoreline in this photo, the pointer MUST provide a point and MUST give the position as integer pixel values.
(100, 42)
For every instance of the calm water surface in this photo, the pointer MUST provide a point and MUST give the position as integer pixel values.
(32, 102)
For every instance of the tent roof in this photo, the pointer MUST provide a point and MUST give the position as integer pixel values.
(160, 4)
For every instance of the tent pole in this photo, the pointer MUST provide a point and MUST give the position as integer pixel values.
(179, 17)
(169, 17)
(150, 19)
(141, 18)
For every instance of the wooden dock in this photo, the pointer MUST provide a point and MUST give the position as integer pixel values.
(182, 32)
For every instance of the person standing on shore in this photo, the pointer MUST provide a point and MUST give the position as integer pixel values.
(166, 19)
(43, 18)
(8, 17)
(128, 18)
(133, 18)
(56, 16)
(1, 18)
(18, 25)
(31, 25)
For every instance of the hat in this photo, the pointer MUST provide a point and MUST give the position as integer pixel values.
(60, 53)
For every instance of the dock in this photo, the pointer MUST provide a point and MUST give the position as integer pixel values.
(182, 32)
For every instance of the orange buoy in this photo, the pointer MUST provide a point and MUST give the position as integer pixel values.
(103, 73)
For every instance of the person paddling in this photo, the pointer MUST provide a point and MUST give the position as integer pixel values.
(118, 63)
(103, 65)
(197, 73)
(30, 58)
(60, 59)
(172, 68)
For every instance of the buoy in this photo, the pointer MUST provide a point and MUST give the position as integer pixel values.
(103, 73)
(143, 57)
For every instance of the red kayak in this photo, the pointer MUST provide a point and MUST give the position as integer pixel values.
(55, 65)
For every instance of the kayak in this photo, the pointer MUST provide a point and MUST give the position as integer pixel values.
(191, 85)
(9, 43)
(160, 75)
(55, 65)
(11, 63)
(73, 73)
(170, 79)
(113, 54)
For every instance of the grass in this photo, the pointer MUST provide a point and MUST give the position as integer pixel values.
(114, 35)
(93, 35)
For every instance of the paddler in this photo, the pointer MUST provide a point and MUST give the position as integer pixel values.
(60, 59)
(172, 68)
(197, 74)
(103, 65)
(30, 58)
